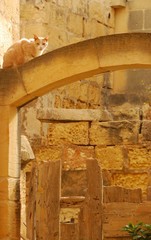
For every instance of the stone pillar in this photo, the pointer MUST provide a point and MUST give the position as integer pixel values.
(9, 174)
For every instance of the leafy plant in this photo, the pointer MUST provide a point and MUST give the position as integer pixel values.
(139, 231)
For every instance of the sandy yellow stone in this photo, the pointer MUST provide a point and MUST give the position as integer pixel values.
(50, 153)
(110, 157)
(114, 132)
(68, 133)
(130, 180)
(139, 157)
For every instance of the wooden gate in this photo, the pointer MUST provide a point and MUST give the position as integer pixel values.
(43, 205)
(44, 202)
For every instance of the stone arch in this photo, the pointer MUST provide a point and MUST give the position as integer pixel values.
(53, 70)
(72, 63)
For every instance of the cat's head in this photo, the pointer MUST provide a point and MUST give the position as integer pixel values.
(40, 42)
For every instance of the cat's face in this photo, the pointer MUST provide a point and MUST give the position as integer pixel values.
(41, 43)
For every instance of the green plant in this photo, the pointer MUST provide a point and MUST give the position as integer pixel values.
(139, 231)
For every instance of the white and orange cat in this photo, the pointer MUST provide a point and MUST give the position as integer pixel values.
(24, 50)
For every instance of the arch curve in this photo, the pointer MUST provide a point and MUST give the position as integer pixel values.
(74, 62)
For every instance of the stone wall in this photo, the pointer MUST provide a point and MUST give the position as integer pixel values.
(65, 22)
(122, 143)
(9, 24)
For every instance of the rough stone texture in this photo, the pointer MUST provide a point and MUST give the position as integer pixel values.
(68, 133)
(112, 133)
(127, 180)
(51, 153)
(146, 130)
(146, 111)
(125, 112)
(139, 157)
(110, 157)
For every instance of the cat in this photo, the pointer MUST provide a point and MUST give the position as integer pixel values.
(24, 50)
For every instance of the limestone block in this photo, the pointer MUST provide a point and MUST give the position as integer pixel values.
(39, 14)
(92, 28)
(80, 7)
(130, 180)
(58, 16)
(74, 157)
(135, 20)
(139, 4)
(125, 112)
(84, 91)
(51, 153)
(75, 24)
(114, 132)
(71, 90)
(139, 157)
(67, 133)
(147, 23)
(110, 157)
(146, 109)
(146, 130)
(96, 10)
(94, 96)
(57, 36)
(138, 82)
(74, 183)
(71, 115)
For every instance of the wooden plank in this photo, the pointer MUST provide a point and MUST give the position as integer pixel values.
(69, 231)
(72, 202)
(94, 200)
(31, 188)
(83, 223)
(48, 201)
(119, 194)
(56, 114)
(117, 215)
(149, 193)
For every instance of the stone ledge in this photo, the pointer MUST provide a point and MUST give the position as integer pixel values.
(118, 3)
(70, 115)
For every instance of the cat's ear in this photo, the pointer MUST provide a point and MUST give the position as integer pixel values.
(35, 37)
(46, 38)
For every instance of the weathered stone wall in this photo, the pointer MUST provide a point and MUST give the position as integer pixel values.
(65, 22)
(9, 24)
(121, 145)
